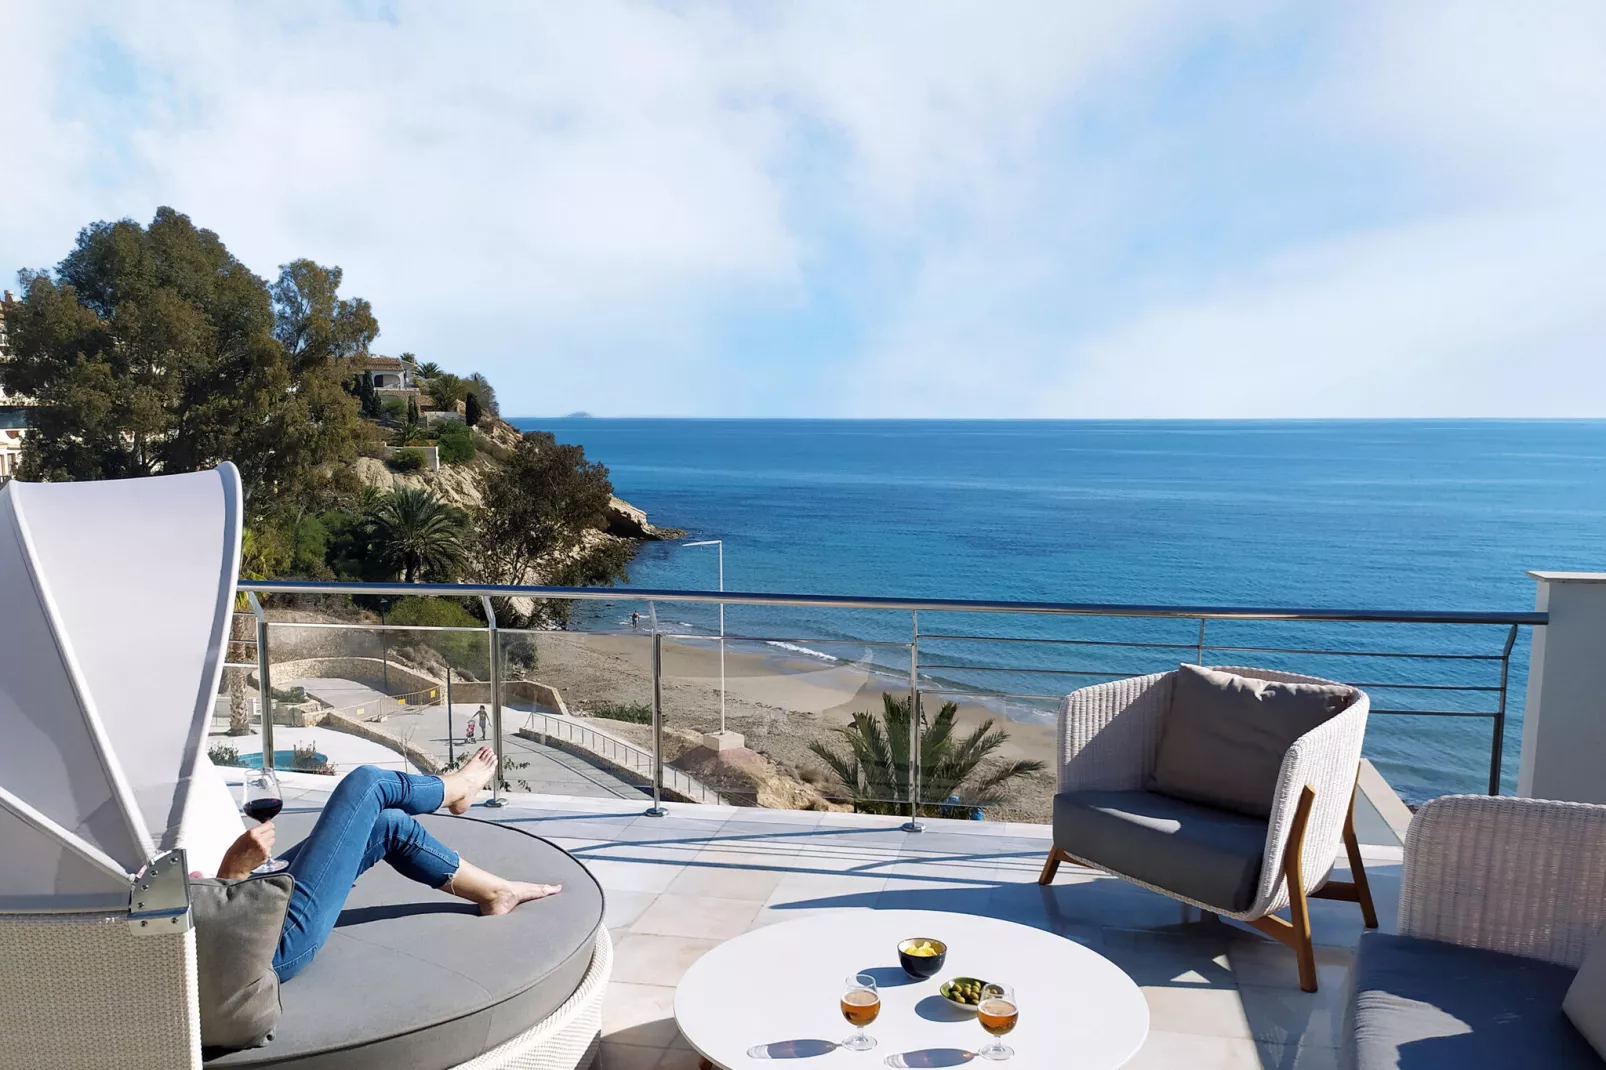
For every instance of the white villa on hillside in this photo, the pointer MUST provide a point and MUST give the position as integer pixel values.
(392, 375)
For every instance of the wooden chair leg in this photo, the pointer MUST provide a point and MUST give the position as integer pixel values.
(1358, 890)
(1295, 932)
(1052, 866)
(1363, 888)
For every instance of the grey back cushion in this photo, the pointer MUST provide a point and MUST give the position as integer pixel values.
(1223, 739)
(1585, 1002)
(237, 927)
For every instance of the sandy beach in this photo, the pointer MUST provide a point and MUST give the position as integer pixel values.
(778, 699)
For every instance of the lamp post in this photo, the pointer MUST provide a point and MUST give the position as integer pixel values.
(721, 544)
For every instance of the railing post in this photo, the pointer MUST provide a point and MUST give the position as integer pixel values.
(264, 683)
(495, 640)
(1497, 747)
(657, 807)
(1199, 655)
(451, 756)
(913, 824)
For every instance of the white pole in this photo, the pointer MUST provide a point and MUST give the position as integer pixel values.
(720, 543)
(722, 637)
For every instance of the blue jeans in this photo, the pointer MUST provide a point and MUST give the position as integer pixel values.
(368, 817)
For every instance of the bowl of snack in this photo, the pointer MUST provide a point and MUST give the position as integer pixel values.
(963, 992)
(921, 956)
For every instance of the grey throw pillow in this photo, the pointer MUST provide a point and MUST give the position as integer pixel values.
(1223, 739)
(237, 927)
(1585, 1002)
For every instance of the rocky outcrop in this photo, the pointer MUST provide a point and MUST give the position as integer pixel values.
(628, 522)
(456, 484)
(459, 485)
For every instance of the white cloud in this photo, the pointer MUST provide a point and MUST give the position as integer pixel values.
(926, 208)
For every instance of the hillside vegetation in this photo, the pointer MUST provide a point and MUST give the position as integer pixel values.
(153, 350)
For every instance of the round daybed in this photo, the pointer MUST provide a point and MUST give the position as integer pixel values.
(413, 979)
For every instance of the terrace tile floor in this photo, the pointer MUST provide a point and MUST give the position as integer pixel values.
(1221, 996)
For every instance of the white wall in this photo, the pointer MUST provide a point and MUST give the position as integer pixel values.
(1564, 726)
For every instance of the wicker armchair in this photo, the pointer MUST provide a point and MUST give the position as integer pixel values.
(1522, 876)
(1499, 902)
(1109, 735)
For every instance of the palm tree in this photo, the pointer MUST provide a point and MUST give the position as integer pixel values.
(428, 370)
(416, 533)
(874, 770)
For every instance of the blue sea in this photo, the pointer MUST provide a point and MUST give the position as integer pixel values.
(1406, 515)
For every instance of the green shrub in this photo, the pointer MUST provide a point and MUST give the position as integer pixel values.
(633, 712)
(464, 651)
(311, 548)
(290, 694)
(456, 442)
(394, 407)
(223, 754)
(304, 758)
(407, 461)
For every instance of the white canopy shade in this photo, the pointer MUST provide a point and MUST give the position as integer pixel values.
(115, 599)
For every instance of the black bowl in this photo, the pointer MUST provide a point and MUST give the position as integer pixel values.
(921, 967)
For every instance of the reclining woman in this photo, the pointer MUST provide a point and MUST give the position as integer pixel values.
(370, 817)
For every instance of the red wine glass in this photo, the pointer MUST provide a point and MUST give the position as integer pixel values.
(261, 800)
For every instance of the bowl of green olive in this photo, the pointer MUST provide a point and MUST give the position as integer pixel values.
(963, 992)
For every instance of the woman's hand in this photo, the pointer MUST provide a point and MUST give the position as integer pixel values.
(254, 847)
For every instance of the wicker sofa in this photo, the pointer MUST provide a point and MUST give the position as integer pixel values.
(1500, 901)
(1225, 863)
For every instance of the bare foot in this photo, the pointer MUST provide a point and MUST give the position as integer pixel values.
(469, 780)
(512, 893)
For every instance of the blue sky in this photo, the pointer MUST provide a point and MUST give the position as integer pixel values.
(1203, 208)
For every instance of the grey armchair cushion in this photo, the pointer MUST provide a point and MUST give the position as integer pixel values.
(1208, 855)
(1223, 738)
(1429, 1005)
(237, 927)
(1585, 1004)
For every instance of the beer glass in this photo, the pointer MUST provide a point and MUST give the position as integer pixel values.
(997, 1012)
(860, 1005)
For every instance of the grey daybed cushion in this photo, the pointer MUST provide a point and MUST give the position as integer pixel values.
(1429, 1005)
(237, 926)
(1209, 855)
(1585, 1004)
(1223, 738)
(414, 979)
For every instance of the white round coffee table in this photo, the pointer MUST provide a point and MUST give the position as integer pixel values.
(771, 994)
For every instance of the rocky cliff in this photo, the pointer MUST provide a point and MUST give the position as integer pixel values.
(459, 485)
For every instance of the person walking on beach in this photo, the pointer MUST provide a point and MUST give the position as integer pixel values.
(635, 622)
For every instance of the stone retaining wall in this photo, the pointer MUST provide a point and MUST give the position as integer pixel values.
(531, 691)
(370, 671)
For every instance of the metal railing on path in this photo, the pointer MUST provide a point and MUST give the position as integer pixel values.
(1495, 688)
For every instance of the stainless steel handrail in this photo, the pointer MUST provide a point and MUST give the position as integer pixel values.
(940, 605)
(914, 606)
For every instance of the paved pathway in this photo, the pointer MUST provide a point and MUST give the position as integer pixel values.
(550, 771)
